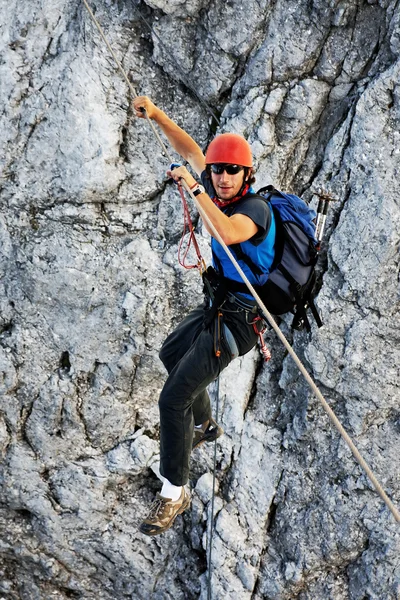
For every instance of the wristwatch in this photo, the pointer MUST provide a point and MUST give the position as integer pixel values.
(197, 189)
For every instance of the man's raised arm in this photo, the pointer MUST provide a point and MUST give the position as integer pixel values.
(178, 138)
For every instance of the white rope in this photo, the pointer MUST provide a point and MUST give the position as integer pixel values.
(260, 303)
(299, 364)
(211, 526)
(125, 76)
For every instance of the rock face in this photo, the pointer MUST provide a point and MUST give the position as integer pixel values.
(90, 286)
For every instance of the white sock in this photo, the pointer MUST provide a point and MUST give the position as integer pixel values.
(203, 426)
(169, 490)
(155, 467)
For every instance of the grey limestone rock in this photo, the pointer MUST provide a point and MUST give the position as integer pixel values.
(90, 286)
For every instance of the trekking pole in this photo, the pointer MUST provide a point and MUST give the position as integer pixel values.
(322, 211)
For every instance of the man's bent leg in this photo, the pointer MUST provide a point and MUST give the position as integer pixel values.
(189, 378)
(199, 366)
(175, 347)
(182, 337)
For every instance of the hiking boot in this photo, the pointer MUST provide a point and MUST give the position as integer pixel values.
(163, 513)
(210, 433)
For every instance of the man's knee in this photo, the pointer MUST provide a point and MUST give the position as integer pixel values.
(163, 355)
(167, 401)
(168, 354)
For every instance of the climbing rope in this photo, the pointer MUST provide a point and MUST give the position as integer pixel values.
(335, 421)
(125, 76)
(301, 368)
(211, 520)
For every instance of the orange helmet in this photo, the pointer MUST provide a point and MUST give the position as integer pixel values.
(229, 148)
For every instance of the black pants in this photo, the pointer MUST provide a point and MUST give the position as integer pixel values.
(188, 354)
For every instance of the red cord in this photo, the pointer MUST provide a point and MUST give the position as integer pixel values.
(188, 227)
(265, 351)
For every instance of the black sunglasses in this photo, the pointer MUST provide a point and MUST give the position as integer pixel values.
(219, 168)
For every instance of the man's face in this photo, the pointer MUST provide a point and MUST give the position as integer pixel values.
(227, 185)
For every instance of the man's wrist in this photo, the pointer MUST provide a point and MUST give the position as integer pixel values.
(197, 189)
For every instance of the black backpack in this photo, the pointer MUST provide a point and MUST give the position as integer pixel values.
(291, 281)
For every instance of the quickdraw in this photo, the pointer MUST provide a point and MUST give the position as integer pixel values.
(265, 351)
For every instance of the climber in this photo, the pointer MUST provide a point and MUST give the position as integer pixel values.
(221, 328)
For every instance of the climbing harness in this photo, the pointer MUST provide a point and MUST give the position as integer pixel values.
(267, 315)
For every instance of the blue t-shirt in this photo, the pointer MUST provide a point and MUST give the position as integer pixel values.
(260, 248)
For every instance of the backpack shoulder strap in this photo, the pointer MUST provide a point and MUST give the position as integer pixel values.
(240, 255)
(236, 248)
(265, 193)
(269, 190)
